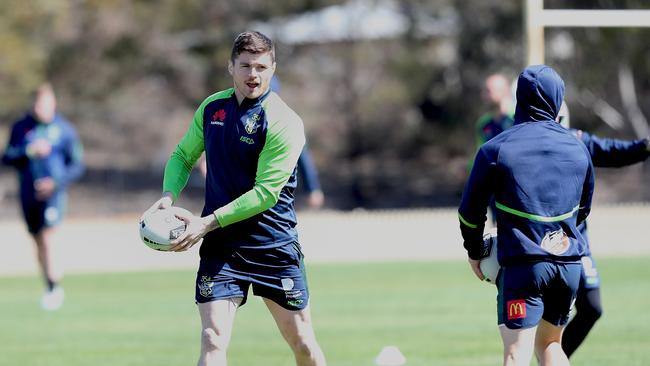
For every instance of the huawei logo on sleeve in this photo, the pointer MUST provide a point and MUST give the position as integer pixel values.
(218, 117)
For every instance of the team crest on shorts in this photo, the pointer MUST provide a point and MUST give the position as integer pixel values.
(205, 286)
(51, 214)
(294, 297)
(516, 309)
(287, 284)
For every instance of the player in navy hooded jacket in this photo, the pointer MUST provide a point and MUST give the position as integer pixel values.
(542, 180)
(46, 152)
(609, 153)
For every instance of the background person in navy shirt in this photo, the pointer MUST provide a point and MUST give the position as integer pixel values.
(45, 151)
(610, 153)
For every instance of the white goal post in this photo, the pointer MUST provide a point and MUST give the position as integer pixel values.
(537, 18)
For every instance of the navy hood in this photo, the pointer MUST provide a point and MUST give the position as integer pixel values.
(540, 91)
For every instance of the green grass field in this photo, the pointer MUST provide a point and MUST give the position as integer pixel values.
(435, 312)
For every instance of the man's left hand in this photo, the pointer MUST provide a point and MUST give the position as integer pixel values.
(195, 230)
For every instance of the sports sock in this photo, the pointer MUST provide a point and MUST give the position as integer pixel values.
(51, 284)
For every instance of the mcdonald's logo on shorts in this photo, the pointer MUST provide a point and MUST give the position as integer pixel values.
(516, 309)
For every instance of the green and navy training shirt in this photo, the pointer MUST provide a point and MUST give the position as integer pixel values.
(490, 125)
(251, 153)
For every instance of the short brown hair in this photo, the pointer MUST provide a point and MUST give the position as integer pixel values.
(252, 42)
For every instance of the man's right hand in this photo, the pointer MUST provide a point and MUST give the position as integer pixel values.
(164, 202)
(39, 148)
(475, 265)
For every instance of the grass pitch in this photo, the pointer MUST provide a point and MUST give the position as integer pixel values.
(437, 313)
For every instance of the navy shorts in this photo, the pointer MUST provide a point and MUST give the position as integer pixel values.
(531, 292)
(41, 214)
(589, 278)
(277, 274)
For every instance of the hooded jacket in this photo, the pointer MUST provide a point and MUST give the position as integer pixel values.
(540, 175)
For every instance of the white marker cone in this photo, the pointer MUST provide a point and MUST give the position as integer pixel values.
(390, 356)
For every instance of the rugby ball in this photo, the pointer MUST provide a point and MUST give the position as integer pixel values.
(490, 265)
(159, 228)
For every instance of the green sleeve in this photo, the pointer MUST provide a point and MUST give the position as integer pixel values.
(187, 152)
(284, 142)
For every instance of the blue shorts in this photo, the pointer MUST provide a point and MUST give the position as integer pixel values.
(531, 292)
(277, 274)
(589, 278)
(41, 214)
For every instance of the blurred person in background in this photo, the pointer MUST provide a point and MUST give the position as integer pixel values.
(307, 171)
(46, 152)
(542, 180)
(252, 141)
(497, 97)
(605, 152)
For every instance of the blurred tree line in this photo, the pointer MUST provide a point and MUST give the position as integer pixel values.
(390, 121)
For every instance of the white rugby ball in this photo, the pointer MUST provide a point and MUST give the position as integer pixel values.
(490, 265)
(159, 228)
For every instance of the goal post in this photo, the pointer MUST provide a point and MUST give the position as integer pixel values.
(537, 18)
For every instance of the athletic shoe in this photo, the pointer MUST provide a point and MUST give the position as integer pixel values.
(53, 299)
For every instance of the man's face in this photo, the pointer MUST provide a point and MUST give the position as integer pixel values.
(45, 106)
(495, 90)
(251, 74)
